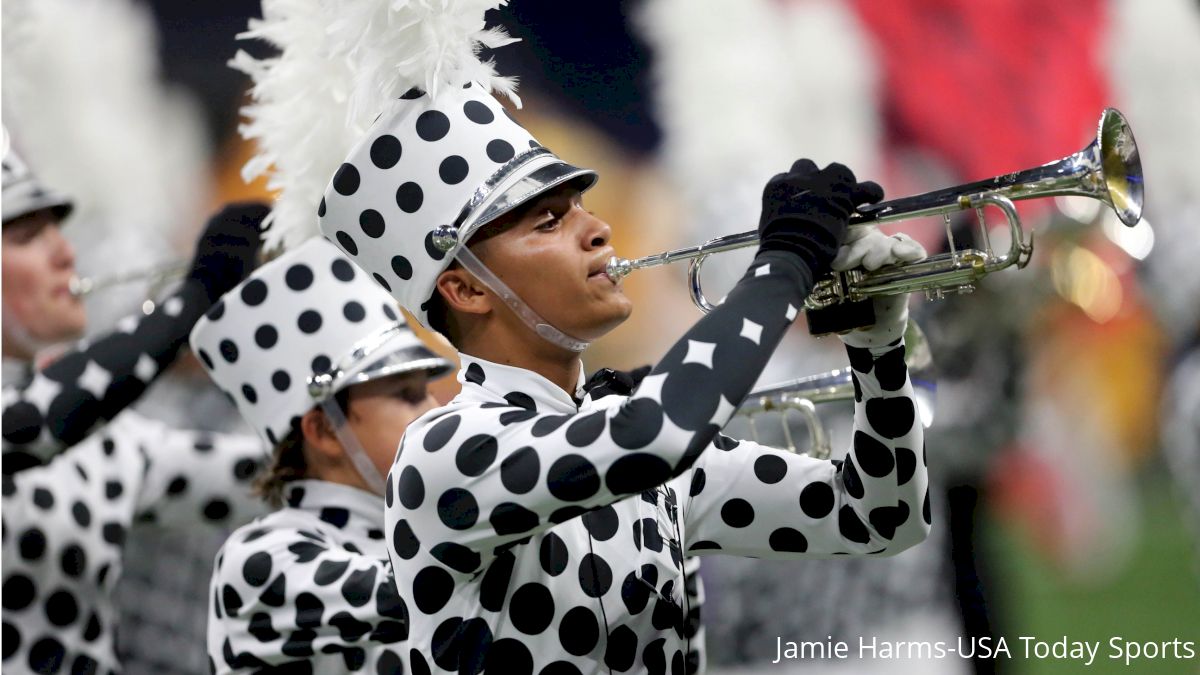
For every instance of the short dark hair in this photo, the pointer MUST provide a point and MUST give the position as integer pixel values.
(287, 459)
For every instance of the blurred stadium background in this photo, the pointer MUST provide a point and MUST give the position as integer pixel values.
(1067, 432)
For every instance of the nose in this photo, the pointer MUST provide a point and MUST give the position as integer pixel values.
(596, 233)
(62, 254)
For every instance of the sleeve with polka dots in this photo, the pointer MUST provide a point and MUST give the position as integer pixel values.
(287, 596)
(194, 476)
(485, 475)
(63, 403)
(748, 499)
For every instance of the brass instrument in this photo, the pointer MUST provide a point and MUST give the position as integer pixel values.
(1108, 169)
(84, 286)
(802, 394)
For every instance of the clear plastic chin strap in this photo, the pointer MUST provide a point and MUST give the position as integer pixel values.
(531, 318)
(354, 449)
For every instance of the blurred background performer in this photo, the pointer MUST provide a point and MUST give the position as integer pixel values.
(71, 492)
(86, 94)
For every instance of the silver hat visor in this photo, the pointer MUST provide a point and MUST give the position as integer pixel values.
(522, 179)
(395, 350)
(28, 197)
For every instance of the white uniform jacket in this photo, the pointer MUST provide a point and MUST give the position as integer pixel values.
(534, 533)
(308, 589)
(65, 524)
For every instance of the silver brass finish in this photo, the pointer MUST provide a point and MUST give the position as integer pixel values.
(1108, 170)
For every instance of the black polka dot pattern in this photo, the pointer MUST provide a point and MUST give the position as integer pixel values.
(66, 525)
(579, 457)
(311, 587)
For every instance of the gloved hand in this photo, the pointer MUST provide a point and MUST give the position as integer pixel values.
(607, 382)
(806, 212)
(227, 250)
(871, 249)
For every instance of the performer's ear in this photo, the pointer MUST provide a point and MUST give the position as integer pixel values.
(462, 292)
(319, 436)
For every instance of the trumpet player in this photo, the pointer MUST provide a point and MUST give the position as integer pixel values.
(78, 468)
(536, 527)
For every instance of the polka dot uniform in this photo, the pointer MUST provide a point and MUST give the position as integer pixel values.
(419, 166)
(532, 532)
(308, 588)
(292, 318)
(48, 411)
(65, 525)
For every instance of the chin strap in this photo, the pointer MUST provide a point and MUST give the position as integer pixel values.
(354, 450)
(21, 337)
(531, 318)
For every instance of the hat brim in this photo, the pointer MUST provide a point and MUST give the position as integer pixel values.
(540, 173)
(401, 362)
(56, 204)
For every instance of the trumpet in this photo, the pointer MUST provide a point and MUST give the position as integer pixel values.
(84, 286)
(1108, 169)
(803, 394)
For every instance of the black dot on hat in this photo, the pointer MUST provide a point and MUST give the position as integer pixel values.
(346, 180)
(347, 243)
(372, 223)
(354, 312)
(229, 351)
(215, 312)
(453, 170)
(254, 292)
(249, 393)
(281, 380)
(534, 144)
(402, 267)
(266, 336)
(298, 277)
(321, 208)
(432, 125)
(385, 151)
(477, 112)
(321, 364)
(409, 197)
(389, 312)
(342, 270)
(414, 93)
(309, 321)
(382, 282)
(500, 151)
(208, 362)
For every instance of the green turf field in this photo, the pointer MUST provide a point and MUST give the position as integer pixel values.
(1155, 598)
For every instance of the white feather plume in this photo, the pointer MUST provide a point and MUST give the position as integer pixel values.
(85, 100)
(338, 65)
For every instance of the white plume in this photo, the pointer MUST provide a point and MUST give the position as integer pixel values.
(85, 101)
(338, 65)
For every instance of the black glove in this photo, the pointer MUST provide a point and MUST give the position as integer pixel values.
(606, 382)
(227, 251)
(806, 212)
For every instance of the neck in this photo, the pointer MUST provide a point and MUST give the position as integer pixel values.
(525, 349)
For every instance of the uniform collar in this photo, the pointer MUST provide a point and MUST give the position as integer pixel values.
(336, 504)
(486, 381)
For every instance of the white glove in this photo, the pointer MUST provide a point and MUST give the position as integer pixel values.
(871, 249)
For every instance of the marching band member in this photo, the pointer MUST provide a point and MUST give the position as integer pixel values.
(70, 498)
(309, 586)
(534, 527)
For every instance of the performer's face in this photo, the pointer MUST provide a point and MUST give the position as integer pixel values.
(552, 254)
(38, 263)
(381, 409)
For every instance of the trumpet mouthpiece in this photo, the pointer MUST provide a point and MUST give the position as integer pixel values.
(618, 268)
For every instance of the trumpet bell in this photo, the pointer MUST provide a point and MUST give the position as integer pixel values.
(1121, 166)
